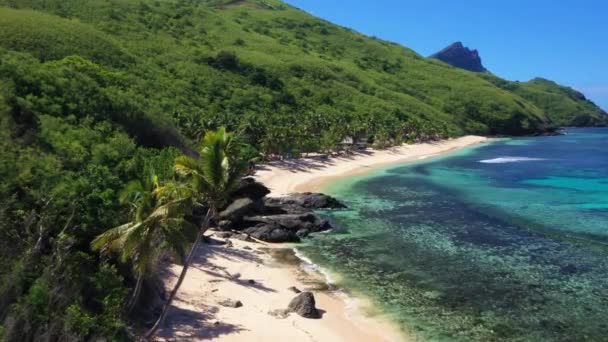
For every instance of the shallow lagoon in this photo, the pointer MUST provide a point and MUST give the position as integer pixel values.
(505, 241)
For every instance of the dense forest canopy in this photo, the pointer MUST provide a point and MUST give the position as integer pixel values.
(94, 92)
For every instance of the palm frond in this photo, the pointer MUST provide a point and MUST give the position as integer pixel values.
(186, 166)
(134, 241)
(131, 191)
(112, 235)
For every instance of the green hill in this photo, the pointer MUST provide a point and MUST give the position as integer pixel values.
(563, 105)
(92, 92)
(266, 68)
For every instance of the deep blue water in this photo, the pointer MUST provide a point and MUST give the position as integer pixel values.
(506, 241)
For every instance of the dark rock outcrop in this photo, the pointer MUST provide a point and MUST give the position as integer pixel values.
(461, 57)
(306, 200)
(294, 289)
(304, 305)
(272, 232)
(252, 189)
(223, 235)
(280, 219)
(239, 208)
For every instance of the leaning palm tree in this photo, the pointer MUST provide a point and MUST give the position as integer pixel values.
(211, 179)
(154, 227)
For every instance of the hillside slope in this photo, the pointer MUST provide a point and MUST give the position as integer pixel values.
(268, 66)
(563, 105)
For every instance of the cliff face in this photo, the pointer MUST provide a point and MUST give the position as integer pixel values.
(460, 56)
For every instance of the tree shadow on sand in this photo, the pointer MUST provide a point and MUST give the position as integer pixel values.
(313, 163)
(251, 283)
(202, 262)
(220, 251)
(183, 324)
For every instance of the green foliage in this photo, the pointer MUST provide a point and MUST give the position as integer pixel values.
(78, 321)
(564, 106)
(37, 299)
(208, 182)
(218, 171)
(268, 70)
(49, 38)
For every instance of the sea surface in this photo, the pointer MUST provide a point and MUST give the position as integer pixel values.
(507, 241)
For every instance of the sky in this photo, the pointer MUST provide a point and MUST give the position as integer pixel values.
(562, 40)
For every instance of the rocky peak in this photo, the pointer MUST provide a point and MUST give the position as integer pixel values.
(459, 56)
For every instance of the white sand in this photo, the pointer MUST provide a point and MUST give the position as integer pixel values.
(310, 174)
(221, 272)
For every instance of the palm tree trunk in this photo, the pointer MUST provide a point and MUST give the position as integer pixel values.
(138, 286)
(182, 276)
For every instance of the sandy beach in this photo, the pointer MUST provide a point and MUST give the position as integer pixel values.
(260, 275)
(311, 174)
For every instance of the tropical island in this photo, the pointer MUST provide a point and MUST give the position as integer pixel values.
(130, 128)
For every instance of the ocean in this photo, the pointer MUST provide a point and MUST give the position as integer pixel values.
(507, 241)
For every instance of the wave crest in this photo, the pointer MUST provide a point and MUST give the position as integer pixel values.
(504, 160)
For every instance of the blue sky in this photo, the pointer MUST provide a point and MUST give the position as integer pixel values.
(562, 40)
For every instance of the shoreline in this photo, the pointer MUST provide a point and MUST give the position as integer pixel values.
(226, 271)
(222, 272)
(312, 174)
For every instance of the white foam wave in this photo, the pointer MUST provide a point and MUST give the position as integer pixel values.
(504, 160)
(311, 267)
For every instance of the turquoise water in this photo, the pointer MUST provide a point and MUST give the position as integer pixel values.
(503, 242)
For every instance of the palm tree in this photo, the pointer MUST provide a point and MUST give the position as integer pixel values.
(211, 178)
(154, 227)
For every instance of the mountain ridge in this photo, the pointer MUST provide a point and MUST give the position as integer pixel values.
(457, 55)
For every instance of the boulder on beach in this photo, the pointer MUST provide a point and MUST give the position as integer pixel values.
(272, 232)
(230, 303)
(252, 189)
(304, 305)
(307, 200)
(280, 219)
(240, 208)
(294, 289)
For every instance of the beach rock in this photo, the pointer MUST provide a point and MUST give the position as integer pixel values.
(302, 233)
(243, 237)
(223, 235)
(279, 313)
(289, 221)
(294, 289)
(229, 303)
(304, 305)
(306, 200)
(240, 208)
(225, 225)
(272, 232)
(252, 189)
